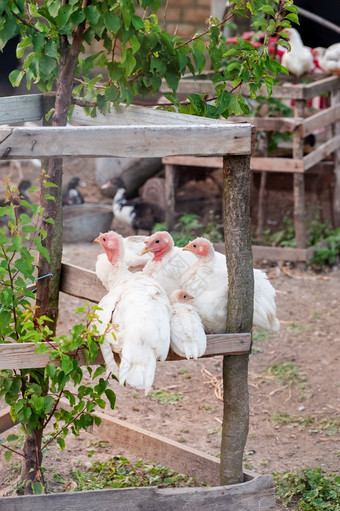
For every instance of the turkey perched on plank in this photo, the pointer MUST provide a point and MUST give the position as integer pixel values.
(207, 281)
(187, 336)
(139, 311)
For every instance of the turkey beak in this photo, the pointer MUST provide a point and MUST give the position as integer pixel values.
(145, 250)
(97, 240)
(187, 248)
(189, 297)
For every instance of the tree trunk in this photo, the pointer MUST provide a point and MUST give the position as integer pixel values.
(236, 204)
(31, 467)
(47, 295)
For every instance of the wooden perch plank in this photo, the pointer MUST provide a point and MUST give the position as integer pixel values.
(19, 109)
(76, 281)
(321, 152)
(123, 141)
(320, 120)
(23, 356)
(277, 164)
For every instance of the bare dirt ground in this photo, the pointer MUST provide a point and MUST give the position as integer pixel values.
(294, 415)
(294, 422)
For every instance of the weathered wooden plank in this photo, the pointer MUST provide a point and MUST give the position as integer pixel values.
(6, 421)
(194, 161)
(123, 141)
(280, 253)
(23, 356)
(141, 116)
(19, 109)
(249, 496)
(277, 164)
(284, 91)
(280, 124)
(321, 152)
(320, 120)
(76, 281)
(256, 163)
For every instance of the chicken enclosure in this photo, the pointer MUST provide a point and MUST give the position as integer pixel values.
(131, 132)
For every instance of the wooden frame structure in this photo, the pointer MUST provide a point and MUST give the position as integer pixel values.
(298, 165)
(131, 132)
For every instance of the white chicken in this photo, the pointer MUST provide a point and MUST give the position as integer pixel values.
(299, 59)
(168, 263)
(135, 261)
(187, 336)
(329, 61)
(139, 310)
(207, 281)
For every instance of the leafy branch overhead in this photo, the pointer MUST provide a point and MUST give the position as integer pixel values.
(136, 53)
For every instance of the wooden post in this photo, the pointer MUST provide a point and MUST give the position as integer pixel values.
(335, 100)
(170, 195)
(236, 206)
(299, 182)
(260, 202)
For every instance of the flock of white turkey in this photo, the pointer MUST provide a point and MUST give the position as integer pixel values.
(161, 296)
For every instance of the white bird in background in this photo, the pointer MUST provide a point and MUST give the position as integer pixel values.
(139, 311)
(168, 263)
(329, 61)
(187, 336)
(207, 282)
(135, 261)
(299, 59)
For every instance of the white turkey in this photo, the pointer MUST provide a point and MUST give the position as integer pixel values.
(187, 336)
(207, 281)
(168, 263)
(140, 312)
(135, 261)
(299, 59)
(330, 59)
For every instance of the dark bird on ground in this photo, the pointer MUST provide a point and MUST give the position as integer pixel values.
(138, 213)
(71, 195)
(23, 188)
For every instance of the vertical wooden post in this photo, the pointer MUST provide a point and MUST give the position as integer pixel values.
(236, 206)
(299, 182)
(170, 195)
(260, 202)
(335, 100)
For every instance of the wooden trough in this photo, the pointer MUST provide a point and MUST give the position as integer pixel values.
(141, 132)
(301, 125)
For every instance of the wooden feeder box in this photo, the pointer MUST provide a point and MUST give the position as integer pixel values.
(137, 132)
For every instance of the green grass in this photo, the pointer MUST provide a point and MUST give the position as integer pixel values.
(327, 425)
(165, 397)
(308, 490)
(286, 373)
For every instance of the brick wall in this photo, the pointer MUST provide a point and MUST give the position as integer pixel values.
(185, 17)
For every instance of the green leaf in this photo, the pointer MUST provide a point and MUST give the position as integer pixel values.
(92, 14)
(293, 17)
(38, 488)
(111, 396)
(42, 250)
(15, 77)
(12, 438)
(112, 22)
(137, 22)
(8, 456)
